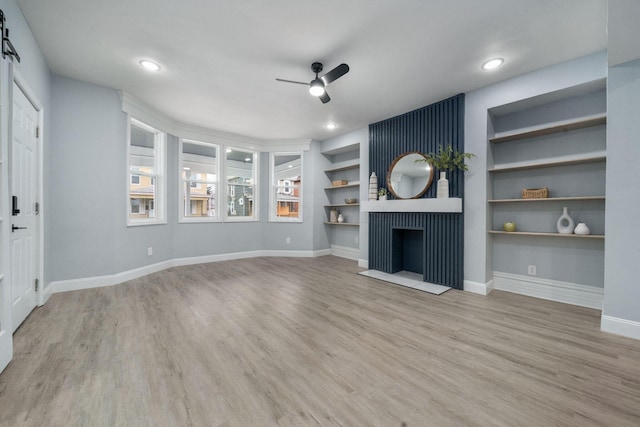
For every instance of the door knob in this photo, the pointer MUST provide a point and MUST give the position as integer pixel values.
(14, 228)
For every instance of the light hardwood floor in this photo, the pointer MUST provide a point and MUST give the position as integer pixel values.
(306, 342)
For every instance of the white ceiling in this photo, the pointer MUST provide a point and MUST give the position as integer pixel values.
(220, 58)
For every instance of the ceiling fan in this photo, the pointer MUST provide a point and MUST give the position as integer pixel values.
(317, 86)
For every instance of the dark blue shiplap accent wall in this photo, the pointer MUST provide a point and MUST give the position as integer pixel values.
(421, 130)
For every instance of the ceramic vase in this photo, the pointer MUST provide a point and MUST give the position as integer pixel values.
(443, 186)
(565, 223)
(340, 218)
(333, 215)
(582, 228)
(383, 197)
(373, 186)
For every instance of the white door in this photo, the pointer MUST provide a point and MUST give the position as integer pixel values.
(23, 184)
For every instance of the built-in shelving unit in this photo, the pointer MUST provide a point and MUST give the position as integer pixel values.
(344, 165)
(557, 141)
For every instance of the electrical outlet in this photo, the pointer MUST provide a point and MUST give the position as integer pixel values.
(149, 251)
(288, 240)
(531, 270)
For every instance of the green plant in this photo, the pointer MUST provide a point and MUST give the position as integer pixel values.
(448, 159)
(382, 191)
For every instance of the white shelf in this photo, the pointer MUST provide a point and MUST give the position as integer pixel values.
(549, 199)
(551, 128)
(451, 204)
(345, 166)
(540, 234)
(342, 223)
(594, 157)
(349, 185)
(342, 205)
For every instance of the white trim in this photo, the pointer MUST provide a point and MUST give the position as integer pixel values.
(554, 290)
(364, 263)
(624, 327)
(444, 204)
(478, 287)
(345, 252)
(118, 278)
(150, 115)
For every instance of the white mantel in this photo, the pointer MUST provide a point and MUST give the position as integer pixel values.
(451, 204)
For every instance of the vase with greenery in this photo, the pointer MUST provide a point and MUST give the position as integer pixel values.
(382, 193)
(447, 159)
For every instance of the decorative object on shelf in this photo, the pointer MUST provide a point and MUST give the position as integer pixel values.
(339, 183)
(509, 226)
(535, 193)
(582, 229)
(447, 159)
(340, 218)
(373, 186)
(350, 200)
(565, 223)
(382, 193)
(333, 215)
(443, 186)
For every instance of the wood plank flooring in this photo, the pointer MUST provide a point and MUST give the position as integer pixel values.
(308, 342)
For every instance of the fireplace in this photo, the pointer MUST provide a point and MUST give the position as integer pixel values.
(407, 250)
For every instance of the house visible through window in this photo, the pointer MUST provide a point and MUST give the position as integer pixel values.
(199, 166)
(241, 184)
(286, 187)
(146, 171)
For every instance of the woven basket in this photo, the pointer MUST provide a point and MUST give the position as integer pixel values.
(535, 193)
(339, 183)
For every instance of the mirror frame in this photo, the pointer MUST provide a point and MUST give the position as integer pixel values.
(394, 162)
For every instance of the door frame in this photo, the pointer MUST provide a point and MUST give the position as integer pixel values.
(43, 293)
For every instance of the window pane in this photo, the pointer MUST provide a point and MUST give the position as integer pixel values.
(199, 173)
(145, 167)
(286, 172)
(240, 183)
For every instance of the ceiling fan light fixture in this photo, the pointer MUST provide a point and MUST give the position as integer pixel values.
(492, 64)
(317, 87)
(149, 65)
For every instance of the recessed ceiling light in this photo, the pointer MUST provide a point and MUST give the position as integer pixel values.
(187, 169)
(248, 159)
(290, 166)
(330, 126)
(149, 65)
(492, 64)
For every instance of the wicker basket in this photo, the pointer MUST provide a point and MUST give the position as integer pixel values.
(535, 193)
(339, 183)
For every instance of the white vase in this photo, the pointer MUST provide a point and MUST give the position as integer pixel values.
(565, 223)
(383, 197)
(582, 228)
(373, 186)
(340, 218)
(333, 215)
(443, 186)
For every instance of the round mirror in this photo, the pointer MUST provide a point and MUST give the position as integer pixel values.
(408, 178)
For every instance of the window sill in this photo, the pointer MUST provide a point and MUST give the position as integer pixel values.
(139, 224)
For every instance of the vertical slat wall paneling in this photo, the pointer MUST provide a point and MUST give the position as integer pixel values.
(421, 130)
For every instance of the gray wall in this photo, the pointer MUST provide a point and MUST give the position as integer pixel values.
(622, 245)
(478, 263)
(88, 181)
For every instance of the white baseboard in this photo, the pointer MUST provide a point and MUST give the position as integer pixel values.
(554, 290)
(116, 279)
(364, 263)
(478, 287)
(345, 252)
(44, 296)
(614, 325)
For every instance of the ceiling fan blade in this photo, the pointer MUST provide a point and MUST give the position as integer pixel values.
(335, 74)
(293, 81)
(324, 97)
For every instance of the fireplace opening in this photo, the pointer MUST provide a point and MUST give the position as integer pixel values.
(407, 251)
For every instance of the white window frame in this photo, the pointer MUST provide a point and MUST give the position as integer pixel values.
(160, 168)
(256, 188)
(273, 185)
(181, 182)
